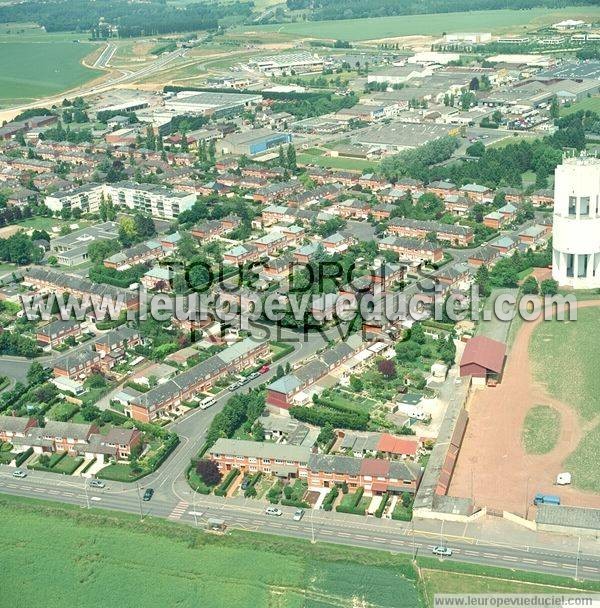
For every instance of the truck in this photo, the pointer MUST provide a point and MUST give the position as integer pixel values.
(206, 403)
(546, 499)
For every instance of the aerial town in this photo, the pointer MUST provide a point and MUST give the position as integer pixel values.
(460, 175)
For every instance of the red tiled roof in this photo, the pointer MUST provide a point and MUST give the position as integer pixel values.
(397, 445)
(485, 352)
(374, 467)
(379, 486)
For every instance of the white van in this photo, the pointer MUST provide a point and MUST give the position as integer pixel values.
(206, 403)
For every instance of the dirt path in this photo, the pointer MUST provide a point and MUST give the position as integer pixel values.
(493, 467)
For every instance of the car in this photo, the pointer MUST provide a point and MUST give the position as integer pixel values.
(245, 483)
(442, 551)
(233, 387)
(19, 474)
(97, 483)
(264, 369)
(148, 494)
(298, 514)
(273, 511)
(254, 375)
(244, 381)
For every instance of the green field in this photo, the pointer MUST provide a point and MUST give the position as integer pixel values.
(564, 358)
(410, 25)
(337, 162)
(590, 103)
(541, 429)
(30, 70)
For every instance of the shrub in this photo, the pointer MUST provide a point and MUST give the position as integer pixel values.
(23, 456)
(330, 498)
(208, 471)
(381, 508)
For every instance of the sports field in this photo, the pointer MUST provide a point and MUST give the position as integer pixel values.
(409, 25)
(30, 70)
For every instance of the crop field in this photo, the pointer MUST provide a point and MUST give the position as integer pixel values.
(30, 70)
(72, 556)
(409, 25)
(541, 429)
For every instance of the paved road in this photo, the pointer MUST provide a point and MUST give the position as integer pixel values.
(179, 505)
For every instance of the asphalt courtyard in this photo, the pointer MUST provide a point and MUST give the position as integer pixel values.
(493, 467)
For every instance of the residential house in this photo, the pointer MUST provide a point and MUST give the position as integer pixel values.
(56, 332)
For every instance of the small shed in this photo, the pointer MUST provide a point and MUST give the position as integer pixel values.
(483, 359)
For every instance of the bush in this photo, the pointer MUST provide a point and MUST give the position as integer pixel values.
(274, 494)
(381, 508)
(327, 504)
(351, 503)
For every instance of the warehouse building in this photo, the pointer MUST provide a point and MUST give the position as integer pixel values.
(253, 142)
(209, 103)
(277, 65)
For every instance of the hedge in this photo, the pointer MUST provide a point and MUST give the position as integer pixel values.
(352, 506)
(23, 456)
(88, 465)
(290, 502)
(384, 500)
(286, 350)
(327, 504)
(250, 491)
(221, 489)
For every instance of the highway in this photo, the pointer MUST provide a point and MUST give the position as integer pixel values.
(179, 505)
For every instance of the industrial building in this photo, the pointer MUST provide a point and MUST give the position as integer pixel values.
(253, 142)
(211, 103)
(278, 65)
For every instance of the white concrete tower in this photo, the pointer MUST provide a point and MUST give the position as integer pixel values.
(576, 229)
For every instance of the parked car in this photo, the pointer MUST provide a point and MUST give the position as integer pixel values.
(244, 381)
(148, 494)
(442, 551)
(273, 511)
(298, 514)
(19, 473)
(264, 369)
(233, 387)
(254, 375)
(245, 483)
(97, 483)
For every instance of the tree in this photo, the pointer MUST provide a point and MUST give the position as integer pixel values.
(387, 368)
(258, 432)
(482, 280)
(356, 384)
(96, 381)
(281, 157)
(554, 108)
(36, 373)
(326, 435)
(100, 250)
(530, 286)
(476, 149)
(208, 471)
(548, 287)
(291, 157)
(279, 372)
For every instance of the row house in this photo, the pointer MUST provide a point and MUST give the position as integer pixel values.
(338, 243)
(419, 229)
(477, 193)
(138, 254)
(353, 208)
(373, 182)
(376, 476)
(543, 198)
(441, 188)
(454, 276)
(226, 165)
(270, 243)
(503, 216)
(168, 396)
(12, 427)
(512, 195)
(241, 254)
(484, 256)
(159, 278)
(458, 205)
(382, 212)
(236, 181)
(274, 214)
(278, 459)
(504, 244)
(215, 228)
(50, 281)
(305, 253)
(277, 191)
(361, 445)
(535, 235)
(121, 338)
(263, 171)
(413, 249)
(32, 165)
(285, 391)
(286, 461)
(77, 364)
(56, 332)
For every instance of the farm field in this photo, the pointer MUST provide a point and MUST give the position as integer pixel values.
(409, 25)
(30, 70)
(541, 429)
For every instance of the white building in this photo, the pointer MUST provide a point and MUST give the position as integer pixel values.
(276, 65)
(151, 199)
(472, 37)
(576, 232)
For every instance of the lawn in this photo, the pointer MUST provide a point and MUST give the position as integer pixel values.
(337, 162)
(564, 357)
(32, 70)
(409, 25)
(70, 554)
(591, 103)
(541, 429)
